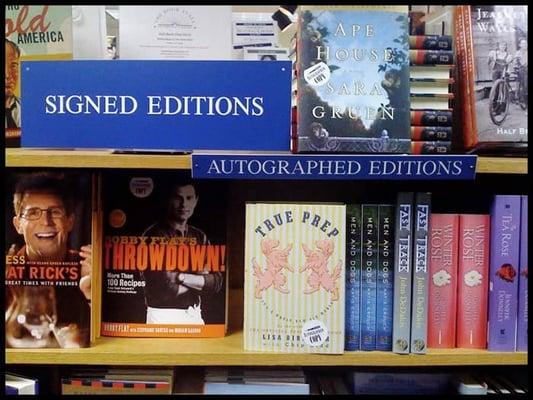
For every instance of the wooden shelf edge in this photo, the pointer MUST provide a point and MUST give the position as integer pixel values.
(228, 352)
(19, 157)
(93, 159)
(501, 165)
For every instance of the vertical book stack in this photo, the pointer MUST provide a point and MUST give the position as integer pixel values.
(432, 63)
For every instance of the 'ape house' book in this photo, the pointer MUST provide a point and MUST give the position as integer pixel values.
(48, 251)
(353, 80)
(164, 255)
(294, 277)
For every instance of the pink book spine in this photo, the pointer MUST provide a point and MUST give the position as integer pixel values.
(443, 260)
(473, 281)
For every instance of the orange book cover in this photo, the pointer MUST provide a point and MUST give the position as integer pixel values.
(164, 255)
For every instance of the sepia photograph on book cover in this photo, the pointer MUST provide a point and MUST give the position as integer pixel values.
(48, 217)
(32, 33)
(499, 36)
(353, 79)
(163, 255)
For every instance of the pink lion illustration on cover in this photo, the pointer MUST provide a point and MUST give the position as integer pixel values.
(317, 261)
(272, 275)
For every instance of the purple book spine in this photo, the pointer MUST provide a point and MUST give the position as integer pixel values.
(521, 331)
(503, 289)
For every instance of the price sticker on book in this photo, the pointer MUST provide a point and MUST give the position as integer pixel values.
(314, 333)
(318, 74)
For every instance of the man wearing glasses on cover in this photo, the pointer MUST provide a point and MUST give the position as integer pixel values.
(44, 216)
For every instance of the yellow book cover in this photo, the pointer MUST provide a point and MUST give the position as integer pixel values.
(294, 277)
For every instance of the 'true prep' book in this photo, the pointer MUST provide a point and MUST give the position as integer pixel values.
(294, 279)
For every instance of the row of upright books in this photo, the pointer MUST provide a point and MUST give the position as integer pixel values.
(413, 279)
(319, 277)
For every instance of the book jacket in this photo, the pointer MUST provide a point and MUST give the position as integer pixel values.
(32, 33)
(403, 262)
(353, 79)
(48, 232)
(472, 281)
(442, 304)
(492, 62)
(294, 277)
(164, 256)
(353, 277)
(503, 269)
(419, 308)
(522, 334)
(385, 277)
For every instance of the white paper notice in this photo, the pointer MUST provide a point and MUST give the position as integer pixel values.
(175, 33)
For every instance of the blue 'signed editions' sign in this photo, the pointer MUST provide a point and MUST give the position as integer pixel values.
(169, 105)
(274, 166)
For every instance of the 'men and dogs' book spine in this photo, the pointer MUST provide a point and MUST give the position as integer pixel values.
(369, 276)
(385, 277)
(420, 274)
(401, 325)
(521, 334)
(443, 236)
(503, 286)
(472, 281)
(353, 278)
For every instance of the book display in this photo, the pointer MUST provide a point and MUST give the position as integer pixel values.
(295, 244)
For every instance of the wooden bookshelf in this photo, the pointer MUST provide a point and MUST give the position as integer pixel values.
(229, 351)
(93, 159)
(501, 165)
(18, 157)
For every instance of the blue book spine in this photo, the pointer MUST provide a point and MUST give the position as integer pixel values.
(353, 278)
(385, 277)
(401, 325)
(521, 334)
(503, 268)
(419, 303)
(369, 276)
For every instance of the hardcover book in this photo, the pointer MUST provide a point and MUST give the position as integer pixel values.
(442, 304)
(521, 333)
(431, 118)
(32, 33)
(419, 308)
(431, 42)
(492, 60)
(472, 281)
(353, 277)
(385, 293)
(294, 277)
(48, 259)
(503, 269)
(353, 79)
(403, 244)
(164, 257)
(431, 133)
(369, 276)
(431, 147)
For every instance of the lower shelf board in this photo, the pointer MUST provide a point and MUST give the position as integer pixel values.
(229, 351)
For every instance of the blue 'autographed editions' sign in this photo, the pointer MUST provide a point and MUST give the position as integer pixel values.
(171, 105)
(275, 166)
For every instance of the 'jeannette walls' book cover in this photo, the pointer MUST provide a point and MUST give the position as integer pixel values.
(294, 277)
(353, 79)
